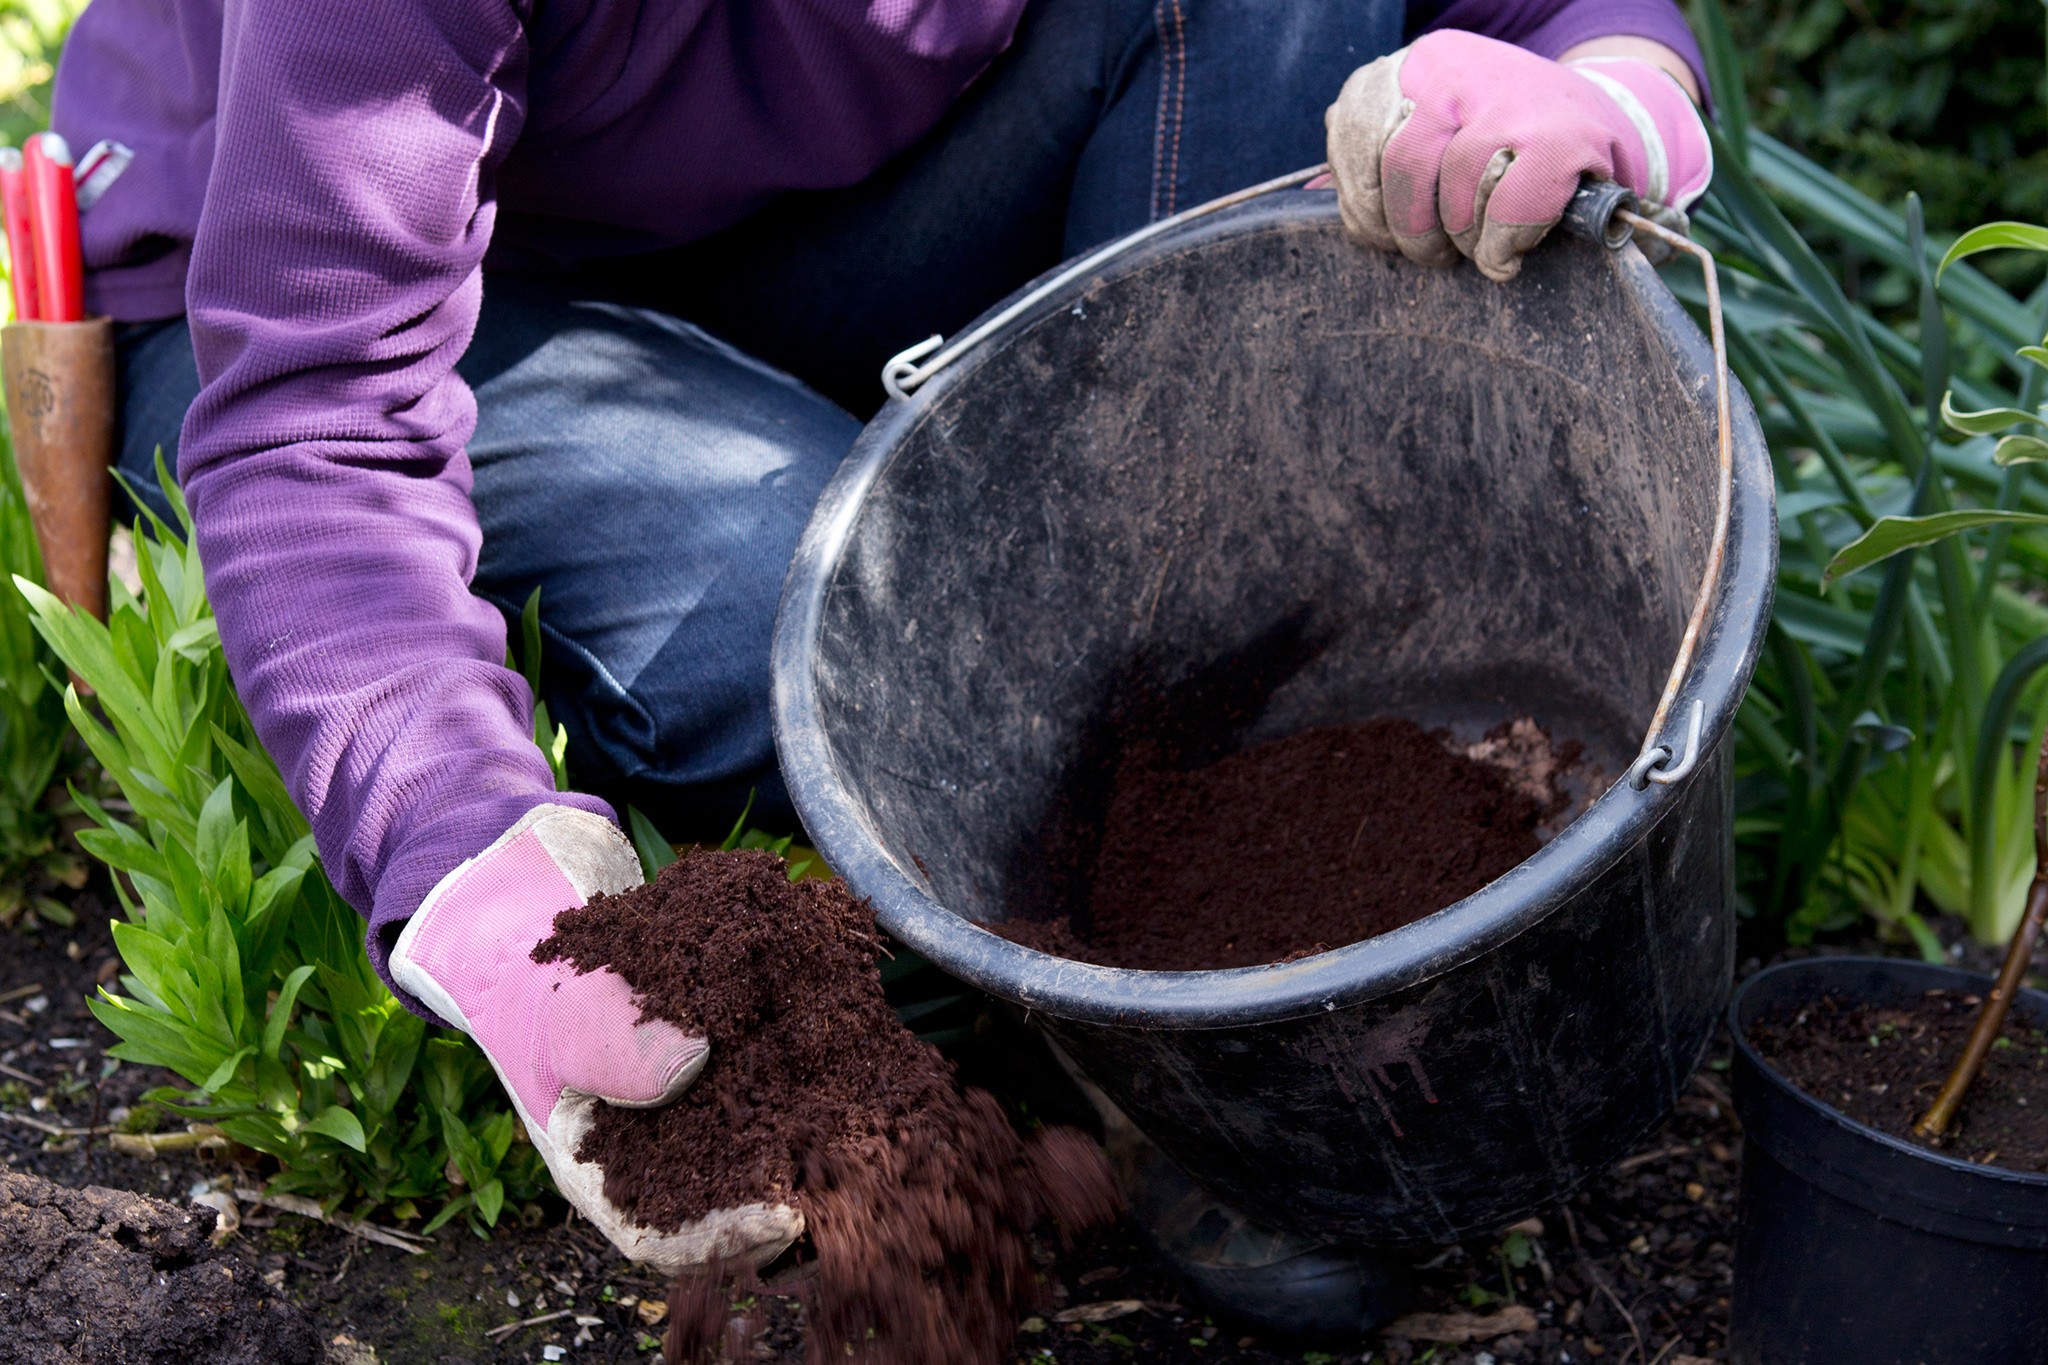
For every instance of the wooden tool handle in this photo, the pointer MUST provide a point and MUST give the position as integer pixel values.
(60, 402)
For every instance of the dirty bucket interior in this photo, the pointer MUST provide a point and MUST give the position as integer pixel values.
(1260, 483)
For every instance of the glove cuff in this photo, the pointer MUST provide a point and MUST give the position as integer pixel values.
(552, 859)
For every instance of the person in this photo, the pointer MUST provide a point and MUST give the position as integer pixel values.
(439, 301)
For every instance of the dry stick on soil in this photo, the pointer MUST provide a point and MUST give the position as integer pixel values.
(54, 1130)
(148, 1146)
(1627, 1164)
(1600, 1283)
(1991, 1015)
(309, 1208)
(536, 1320)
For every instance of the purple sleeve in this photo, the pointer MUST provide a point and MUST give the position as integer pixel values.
(1551, 28)
(335, 279)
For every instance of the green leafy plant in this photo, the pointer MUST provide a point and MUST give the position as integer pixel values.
(245, 972)
(656, 852)
(1879, 750)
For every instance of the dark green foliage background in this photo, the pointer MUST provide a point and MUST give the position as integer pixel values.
(1946, 97)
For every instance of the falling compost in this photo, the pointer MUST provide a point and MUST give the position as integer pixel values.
(918, 1198)
(1307, 843)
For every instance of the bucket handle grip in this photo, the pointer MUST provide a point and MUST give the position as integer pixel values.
(1600, 212)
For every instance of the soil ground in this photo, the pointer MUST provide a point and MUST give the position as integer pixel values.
(1633, 1271)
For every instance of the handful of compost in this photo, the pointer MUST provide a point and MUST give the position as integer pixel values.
(710, 1067)
(568, 1044)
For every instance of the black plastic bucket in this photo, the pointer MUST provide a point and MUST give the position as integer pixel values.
(1859, 1248)
(1244, 479)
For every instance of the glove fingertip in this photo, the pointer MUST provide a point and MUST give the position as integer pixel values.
(1364, 223)
(1434, 249)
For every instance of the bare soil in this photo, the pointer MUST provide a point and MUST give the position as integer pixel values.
(1644, 1252)
(96, 1276)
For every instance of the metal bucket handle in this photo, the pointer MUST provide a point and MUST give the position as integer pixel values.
(1601, 212)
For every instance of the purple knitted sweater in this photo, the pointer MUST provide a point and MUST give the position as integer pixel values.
(318, 184)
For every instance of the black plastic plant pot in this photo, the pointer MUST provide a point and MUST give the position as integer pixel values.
(1244, 479)
(1859, 1248)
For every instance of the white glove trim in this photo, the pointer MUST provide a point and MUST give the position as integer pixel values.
(1659, 176)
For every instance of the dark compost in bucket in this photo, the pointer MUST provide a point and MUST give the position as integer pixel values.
(1241, 482)
(1303, 844)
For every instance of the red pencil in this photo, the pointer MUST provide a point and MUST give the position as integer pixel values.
(21, 247)
(53, 210)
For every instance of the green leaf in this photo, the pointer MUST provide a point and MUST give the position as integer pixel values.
(87, 649)
(259, 778)
(2012, 450)
(1986, 422)
(449, 1210)
(489, 1200)
(156, 1037)
(1993, 236)
(494, 1135)
(655, 851)
(529, 640)
(558, 758)
(119, 846)
(1725, 76)
(159, 963)
(1792, 506)
(1876, 730)
(196, 640)
(1892, 534)
(281, 1012)
(2037, 354)
(218, 1079)
(337, 1123)
(739, 826)
(274, 1086)
(232, 875)
(216, 823)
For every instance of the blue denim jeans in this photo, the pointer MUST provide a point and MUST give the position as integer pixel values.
(652, 432)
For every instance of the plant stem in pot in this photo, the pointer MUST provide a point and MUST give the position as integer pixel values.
(1991, 1015)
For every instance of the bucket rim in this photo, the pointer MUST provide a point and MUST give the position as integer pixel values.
(1618, 820)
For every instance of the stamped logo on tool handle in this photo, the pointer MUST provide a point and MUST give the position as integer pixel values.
(38, 396)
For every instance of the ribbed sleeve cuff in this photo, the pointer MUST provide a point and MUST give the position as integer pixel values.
(1581, 21)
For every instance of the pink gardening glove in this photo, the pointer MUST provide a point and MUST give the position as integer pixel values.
(563, 1042)
(1459, 144)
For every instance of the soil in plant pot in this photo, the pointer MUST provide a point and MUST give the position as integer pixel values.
(1307, 843)
(1882, 1065)
(919, 1199)
(107, 1276)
